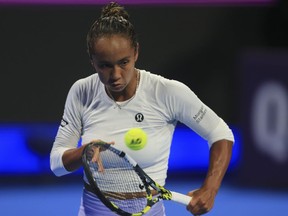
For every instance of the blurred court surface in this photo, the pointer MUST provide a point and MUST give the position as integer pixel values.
(63, 200)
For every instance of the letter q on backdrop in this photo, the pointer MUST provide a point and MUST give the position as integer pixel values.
(263, 82)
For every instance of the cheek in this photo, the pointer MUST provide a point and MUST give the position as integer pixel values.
(102, 76)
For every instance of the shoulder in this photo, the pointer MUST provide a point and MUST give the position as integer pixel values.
(155, 79)
(84, 89)
(162, 85)
(85, 84)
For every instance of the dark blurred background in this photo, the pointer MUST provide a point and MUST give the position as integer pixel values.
(43, 51)
(233, 55)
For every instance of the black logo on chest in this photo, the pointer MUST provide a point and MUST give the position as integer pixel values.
(139, 117)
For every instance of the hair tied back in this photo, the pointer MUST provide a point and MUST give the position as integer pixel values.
(114, 10)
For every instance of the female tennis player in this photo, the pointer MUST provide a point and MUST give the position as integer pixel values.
(118, 97)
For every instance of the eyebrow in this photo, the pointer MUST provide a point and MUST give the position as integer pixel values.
(108, 62)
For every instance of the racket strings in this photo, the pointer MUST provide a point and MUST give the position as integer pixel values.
(119, 182)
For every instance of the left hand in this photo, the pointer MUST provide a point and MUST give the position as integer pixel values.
(202, 201)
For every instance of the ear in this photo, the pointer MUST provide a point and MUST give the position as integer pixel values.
(91, 58)
(92, 64)
(136, 54)
(89, 54)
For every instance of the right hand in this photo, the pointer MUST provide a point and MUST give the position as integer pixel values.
(94, 155)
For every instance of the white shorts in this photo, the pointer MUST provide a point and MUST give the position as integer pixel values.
(92, 206)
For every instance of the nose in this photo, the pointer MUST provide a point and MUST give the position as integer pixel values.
(115, 73)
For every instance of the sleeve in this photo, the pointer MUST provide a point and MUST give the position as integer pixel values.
(186, 107)
(69, 131)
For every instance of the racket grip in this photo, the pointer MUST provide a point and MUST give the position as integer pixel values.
(181, 198)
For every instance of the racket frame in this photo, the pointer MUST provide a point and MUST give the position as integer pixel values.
(164, 194)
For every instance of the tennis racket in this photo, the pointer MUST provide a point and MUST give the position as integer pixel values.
(121, 184)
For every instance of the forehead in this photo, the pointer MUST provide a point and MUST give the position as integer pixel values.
(107, 47)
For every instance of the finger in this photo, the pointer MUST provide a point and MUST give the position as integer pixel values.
(100, 164)
(96, 154)
(97, 158)
(111, 143)
(198, 209)
(194, 207)
(102, 148)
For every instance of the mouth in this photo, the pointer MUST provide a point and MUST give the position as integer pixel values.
(116, 87)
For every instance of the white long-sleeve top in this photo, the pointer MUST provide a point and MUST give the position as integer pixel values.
(157, 106)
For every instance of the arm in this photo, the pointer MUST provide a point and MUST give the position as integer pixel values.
(187, 108)
(68, 135)
(72, 158)
(203, 198)
(62, 151)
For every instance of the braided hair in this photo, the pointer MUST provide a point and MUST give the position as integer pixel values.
(114, 19)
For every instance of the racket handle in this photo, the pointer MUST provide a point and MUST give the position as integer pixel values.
(181, 198)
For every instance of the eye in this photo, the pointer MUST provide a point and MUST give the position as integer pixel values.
(124, 62)
(103, 65)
